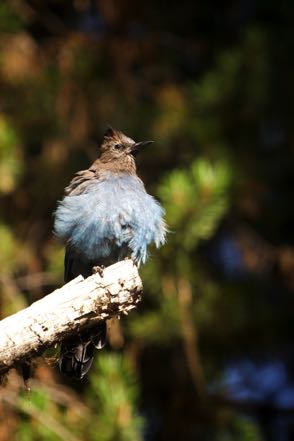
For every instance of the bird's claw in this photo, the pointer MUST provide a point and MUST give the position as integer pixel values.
(98, 269)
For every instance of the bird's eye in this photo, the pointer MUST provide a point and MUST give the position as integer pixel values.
(117, 146)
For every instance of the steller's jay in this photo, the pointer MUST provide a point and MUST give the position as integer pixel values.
(105, 216)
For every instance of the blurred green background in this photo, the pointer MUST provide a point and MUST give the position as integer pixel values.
(207, 356)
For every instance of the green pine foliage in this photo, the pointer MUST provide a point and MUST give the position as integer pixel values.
(115, 393)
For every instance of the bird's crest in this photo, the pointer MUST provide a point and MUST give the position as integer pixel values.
(117, 136)
(110, 132)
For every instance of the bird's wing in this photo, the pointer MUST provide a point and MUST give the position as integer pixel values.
(80, 181)
(74, 265)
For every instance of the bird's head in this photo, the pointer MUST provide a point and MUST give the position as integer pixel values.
(117, 146)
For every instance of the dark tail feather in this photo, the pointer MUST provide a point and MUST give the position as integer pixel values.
(26, 372)
(76, 354)
(76, 358)
(99, 339)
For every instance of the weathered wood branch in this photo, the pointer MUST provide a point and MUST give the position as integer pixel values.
(76, 306)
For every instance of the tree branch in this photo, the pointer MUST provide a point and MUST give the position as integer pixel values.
(76, 306)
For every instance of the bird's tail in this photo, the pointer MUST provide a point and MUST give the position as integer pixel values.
(77, 353)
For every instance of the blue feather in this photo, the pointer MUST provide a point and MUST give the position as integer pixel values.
(114, 212)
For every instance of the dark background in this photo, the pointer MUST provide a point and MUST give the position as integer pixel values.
(208, 354)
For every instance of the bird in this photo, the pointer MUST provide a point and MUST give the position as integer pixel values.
(105, 216)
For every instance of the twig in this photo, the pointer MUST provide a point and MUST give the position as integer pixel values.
(43, 417)
(190, 337)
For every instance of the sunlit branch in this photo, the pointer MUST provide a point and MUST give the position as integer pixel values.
(76, 306)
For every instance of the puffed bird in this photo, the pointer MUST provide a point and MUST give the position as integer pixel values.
(105, 216)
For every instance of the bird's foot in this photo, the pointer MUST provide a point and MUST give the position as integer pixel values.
(99, 270)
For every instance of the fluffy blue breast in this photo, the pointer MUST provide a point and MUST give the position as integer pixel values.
(113, 212)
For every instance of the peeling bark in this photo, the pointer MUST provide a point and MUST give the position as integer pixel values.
(74, 307)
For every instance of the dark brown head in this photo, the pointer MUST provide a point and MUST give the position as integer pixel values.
(119, 149)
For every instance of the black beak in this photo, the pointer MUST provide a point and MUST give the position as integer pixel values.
(137, 146)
